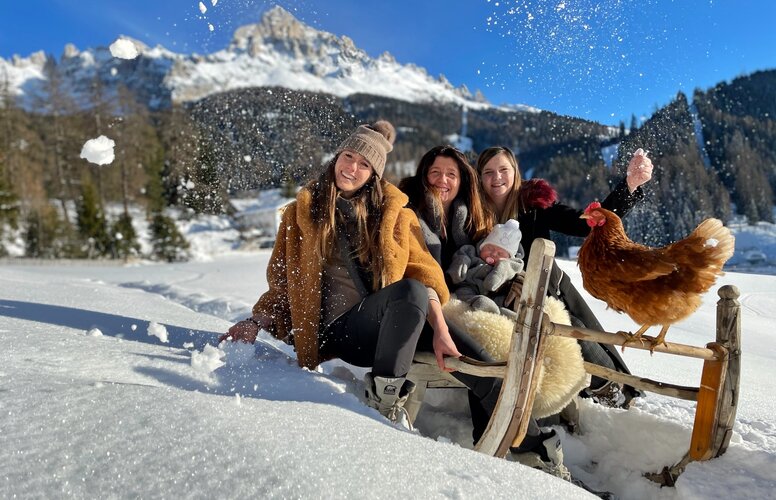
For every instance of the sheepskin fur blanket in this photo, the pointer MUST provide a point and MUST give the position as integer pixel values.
(561, 375)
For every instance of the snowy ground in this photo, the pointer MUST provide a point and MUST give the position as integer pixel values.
(109, 388)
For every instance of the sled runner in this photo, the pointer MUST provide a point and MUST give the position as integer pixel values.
(716, 395)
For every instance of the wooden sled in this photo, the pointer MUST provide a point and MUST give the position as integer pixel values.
(716, 395)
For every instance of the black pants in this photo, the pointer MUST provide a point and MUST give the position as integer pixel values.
(382, 331)
(385, 329)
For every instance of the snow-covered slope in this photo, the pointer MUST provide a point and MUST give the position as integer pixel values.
(97, 402)
(278, 51)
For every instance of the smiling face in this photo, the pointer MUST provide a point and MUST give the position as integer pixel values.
(445, 176)
(351, 172)
(498, 178)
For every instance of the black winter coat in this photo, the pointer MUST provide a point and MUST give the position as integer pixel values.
(539, 219)
(542, 215)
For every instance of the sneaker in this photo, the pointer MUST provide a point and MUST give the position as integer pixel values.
(547, 456)
(388, 395)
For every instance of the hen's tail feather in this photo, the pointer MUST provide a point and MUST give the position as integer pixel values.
(704, 253)
(719, 242)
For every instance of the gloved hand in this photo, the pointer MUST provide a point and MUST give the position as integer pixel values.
(459, 266)
(483, 303)
(503, 271)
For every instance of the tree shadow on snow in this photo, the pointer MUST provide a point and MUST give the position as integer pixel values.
(111, 325)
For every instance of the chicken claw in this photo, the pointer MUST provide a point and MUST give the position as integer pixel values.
(632, 338)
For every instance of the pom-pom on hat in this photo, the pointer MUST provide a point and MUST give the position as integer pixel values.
(374, 142)
(506, 236)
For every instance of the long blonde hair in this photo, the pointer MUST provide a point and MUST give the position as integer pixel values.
(367, 203)
(512, 206)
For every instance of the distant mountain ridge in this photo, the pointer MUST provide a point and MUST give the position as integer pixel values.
(278, 51)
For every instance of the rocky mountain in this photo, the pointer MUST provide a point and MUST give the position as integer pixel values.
(279, 51)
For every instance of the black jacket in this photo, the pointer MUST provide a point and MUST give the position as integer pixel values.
(536, 221)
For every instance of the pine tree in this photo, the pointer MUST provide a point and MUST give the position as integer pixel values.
(204, 193)
(9, 205)
(48, 236)
(168, 243)
(634, 124)
(92, 225)
(21, 150)
(124, 237)
(57, 106)
(179, 138)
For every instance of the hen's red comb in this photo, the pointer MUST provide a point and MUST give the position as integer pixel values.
(592, 207)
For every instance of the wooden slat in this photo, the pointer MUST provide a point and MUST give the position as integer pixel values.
(645, 384)
(509, 420)
(464, 365)
(617, 339)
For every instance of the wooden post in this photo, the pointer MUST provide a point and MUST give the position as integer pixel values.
(728, 335)
(706, 412)
(718, 393)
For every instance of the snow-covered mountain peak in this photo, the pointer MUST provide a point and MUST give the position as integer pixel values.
(279, 50)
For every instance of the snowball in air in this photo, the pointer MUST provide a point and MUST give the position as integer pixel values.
(98, 151)
(210, 27)
(202, 7)
(123, 49)
(213, 2)
(157, 330)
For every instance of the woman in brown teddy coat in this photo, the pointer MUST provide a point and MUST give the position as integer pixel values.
(350, 276)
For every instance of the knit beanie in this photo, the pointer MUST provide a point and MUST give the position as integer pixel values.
(506, 236)
(373, 142)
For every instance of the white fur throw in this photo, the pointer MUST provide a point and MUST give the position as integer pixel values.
(561, 375)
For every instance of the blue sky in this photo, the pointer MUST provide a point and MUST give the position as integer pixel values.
(601, 60)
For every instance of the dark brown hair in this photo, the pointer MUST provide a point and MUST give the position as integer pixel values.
(478, 223)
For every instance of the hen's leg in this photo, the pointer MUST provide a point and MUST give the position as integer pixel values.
(632, 338)
(660, 339)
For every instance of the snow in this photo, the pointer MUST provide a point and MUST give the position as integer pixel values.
(158, 331)
(124, 49)
(125, 414)
(202, 8)
(98, 151)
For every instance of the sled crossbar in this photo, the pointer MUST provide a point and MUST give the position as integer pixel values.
(716, 395)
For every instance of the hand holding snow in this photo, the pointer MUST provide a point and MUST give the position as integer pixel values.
(123, 49)
(98, 151)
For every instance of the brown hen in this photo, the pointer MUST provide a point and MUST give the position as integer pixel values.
(654, 286)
